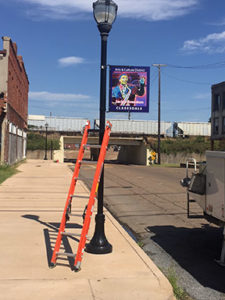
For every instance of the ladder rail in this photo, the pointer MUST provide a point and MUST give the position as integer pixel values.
(70, 193)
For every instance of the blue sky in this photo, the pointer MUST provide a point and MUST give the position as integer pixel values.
(60, 45)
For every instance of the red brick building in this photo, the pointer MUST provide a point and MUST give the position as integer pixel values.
(14, 86)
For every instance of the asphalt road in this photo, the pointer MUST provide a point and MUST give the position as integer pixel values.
(151, 205)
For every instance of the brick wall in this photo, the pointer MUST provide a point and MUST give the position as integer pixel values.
(17, 89)
(14, 86)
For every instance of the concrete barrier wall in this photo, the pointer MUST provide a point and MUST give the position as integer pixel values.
(134, 155)
(140, 155)
(38, 154)
(180, 158)
(129, 155)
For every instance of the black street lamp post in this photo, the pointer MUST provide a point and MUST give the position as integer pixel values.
(105, 12)
(46, 141)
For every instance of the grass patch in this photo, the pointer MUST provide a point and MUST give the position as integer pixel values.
(179, 293)
(166, 165)
(140, 244)
(196, 144)
(7, 171)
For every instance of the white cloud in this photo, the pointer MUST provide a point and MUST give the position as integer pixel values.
(70, 60)
(203, 96)
(155, 10)
(217, 23)
(47, 96)
(212, 43)
(152, 10)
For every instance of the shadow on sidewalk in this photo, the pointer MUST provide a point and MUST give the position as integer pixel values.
(50, 235)
(195, 250)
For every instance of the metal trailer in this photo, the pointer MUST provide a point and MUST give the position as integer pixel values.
(140, 127)
(195, 128)
(207, 187)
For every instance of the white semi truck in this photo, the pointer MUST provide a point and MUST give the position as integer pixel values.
(207, 188)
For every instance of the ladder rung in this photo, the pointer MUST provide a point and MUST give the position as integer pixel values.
(74, 234)
(70, 233)
(192, 200)
(77, 178)
(92, 146)
(75, 215)
(93, 130)
(83, 197)
(88, 162)
(66, 254)
(77, 196)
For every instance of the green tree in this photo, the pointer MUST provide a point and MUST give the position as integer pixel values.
(35, 141)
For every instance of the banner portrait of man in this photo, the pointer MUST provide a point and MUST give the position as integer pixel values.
(129, 89)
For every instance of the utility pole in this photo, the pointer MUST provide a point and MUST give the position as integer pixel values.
(159, 107)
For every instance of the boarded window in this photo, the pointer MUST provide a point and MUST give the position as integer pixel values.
(223, 125)
(223, 101)
(216, 102)
(216, 125)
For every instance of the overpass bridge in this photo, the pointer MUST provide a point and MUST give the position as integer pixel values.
(93, 140)
(133, 150)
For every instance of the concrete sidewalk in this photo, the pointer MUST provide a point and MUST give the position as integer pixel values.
(32, 203)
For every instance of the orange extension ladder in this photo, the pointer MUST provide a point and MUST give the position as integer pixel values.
(89, 207)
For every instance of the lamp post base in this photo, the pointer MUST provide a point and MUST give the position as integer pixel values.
(99, 243)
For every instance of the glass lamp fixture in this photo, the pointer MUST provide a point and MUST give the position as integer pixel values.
(105, 12)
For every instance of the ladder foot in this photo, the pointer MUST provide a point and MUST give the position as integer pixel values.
(52, 265)
(76, 269)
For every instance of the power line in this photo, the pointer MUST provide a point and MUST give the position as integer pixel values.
(206, 66)
(188, 81)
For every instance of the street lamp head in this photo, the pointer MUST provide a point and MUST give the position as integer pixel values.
(46, 125)
(105, 12)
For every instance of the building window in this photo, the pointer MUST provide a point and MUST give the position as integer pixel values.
(223, 101)
(223, 125)
(216, 102)
(216, 125)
